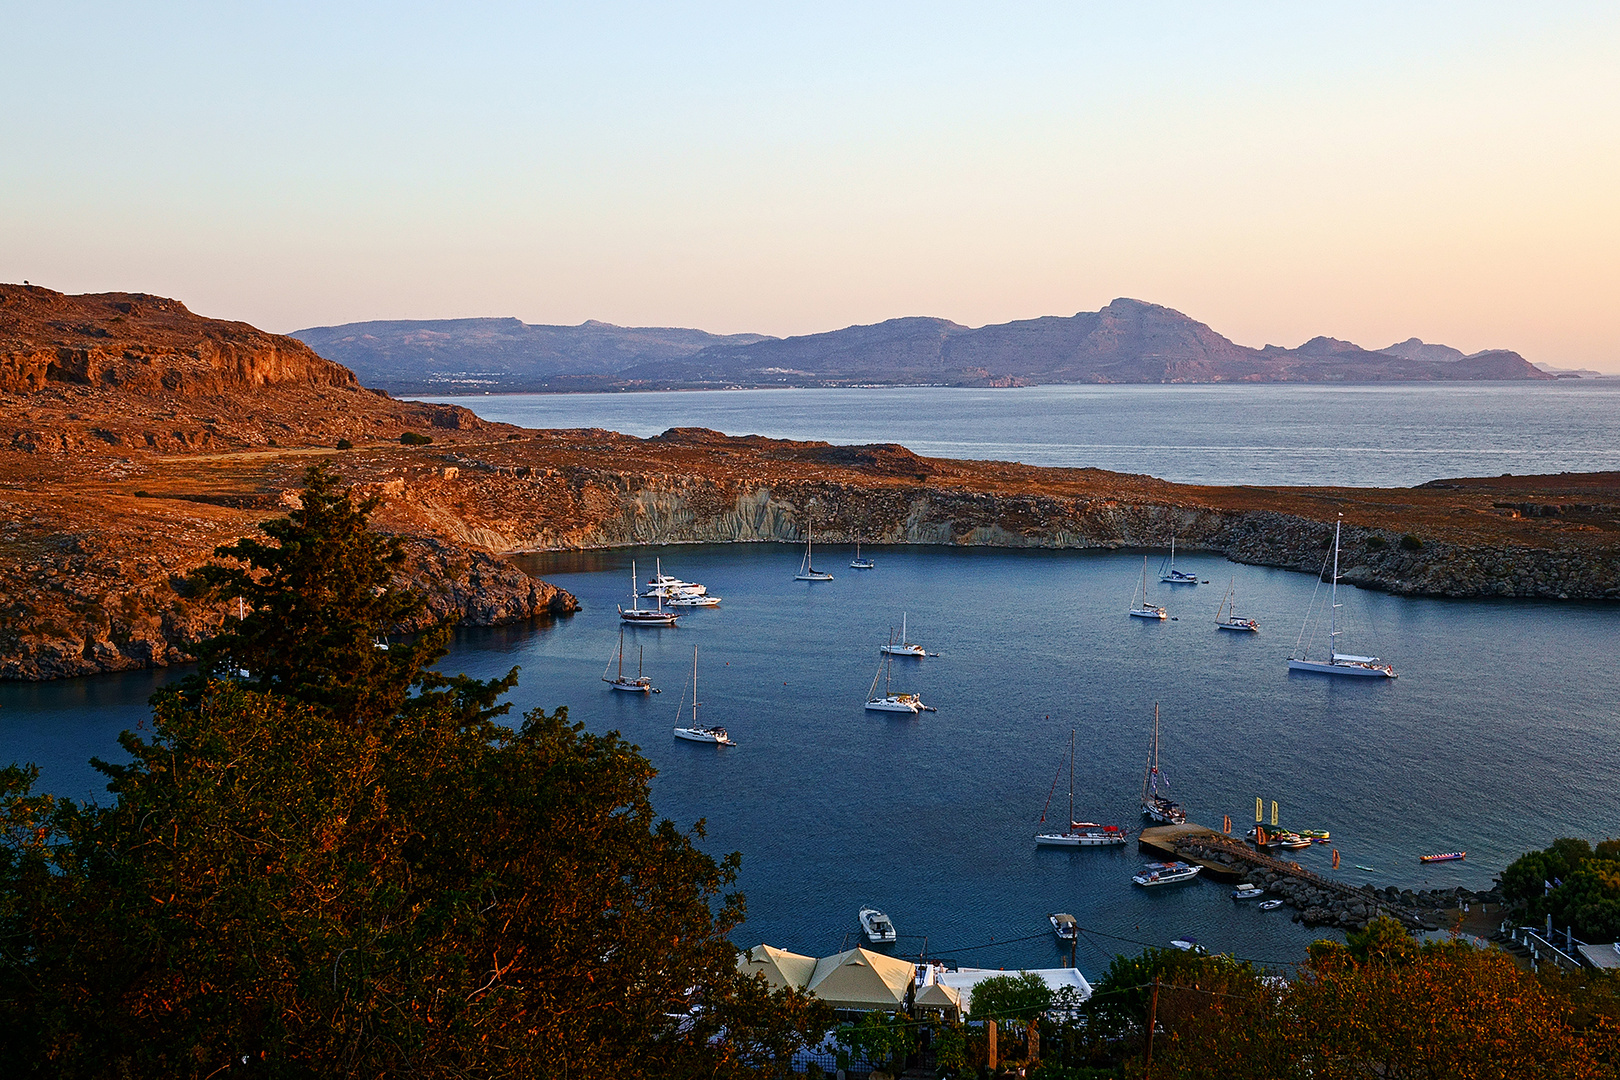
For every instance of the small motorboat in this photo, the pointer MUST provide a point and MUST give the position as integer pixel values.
(1246, 891)
(1448, 856)
(1270, 905)
(1189, 944)
(1064, 926)
(1365, 869)
(876, 925)
(1166, 873)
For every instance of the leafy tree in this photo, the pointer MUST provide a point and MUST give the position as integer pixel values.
(1586, 886)
(883, 1039)
(1382, 941)
(308, 873)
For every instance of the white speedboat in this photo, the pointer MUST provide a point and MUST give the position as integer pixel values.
(1336, 663)
(858, 563)
(888, 701)
(697, 732)
(1247, 891)
(1226, 616)
(1270, 905)
(1078, 833)
(694, 600)
(807, 572)
(667, 587)
(1166, 873)
(1064, 926)
(1168, 572)
(1156, 807)
(1142, 609)
(903, 647)
(640, 616)
(638, 685)
(876, 925)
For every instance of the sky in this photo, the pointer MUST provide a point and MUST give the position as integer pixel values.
(1367, 171)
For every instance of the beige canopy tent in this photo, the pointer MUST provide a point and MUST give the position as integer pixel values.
(860, 979)
(938, 998)
(781, 968)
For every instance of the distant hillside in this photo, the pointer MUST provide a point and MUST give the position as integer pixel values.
(457, 355)
(1128, 341)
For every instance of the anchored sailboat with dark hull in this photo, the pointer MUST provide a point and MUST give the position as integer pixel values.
(1160, 809)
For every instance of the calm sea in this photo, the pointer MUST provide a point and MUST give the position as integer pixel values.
(1500, 734)
(1373, 436)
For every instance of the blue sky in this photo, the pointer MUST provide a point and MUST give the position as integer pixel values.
(1368, 171)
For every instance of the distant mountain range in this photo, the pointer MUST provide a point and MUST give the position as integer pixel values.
(1128, 341)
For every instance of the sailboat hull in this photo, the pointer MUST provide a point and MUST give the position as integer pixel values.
(894, 704)
(903, 650)
(1247, 627)
(1081, 839)
(1150, 613)
(632, 686)
(1343, 667)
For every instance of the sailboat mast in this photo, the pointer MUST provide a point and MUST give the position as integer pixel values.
(694, 687)
(635, 593)
(1071, 778)
(1333, 597)
(621, 655)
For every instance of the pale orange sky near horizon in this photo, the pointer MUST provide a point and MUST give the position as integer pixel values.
(1371, 172)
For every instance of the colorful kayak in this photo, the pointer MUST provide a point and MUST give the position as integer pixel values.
(1447, 857)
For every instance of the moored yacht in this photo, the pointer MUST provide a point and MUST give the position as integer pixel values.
(1064, 925)
(902, 647)
(697, 732)
(1226, 616)
(1078, 833)
(638, 685)
(1168, 572)
(1142, 609)
(889, 701)
(1166, 873)
(858, 563)
(807, 572)
(1156, 807)
(1336, 663)
(639, 616)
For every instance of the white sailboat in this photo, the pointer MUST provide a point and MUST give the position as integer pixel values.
(1079, 833)
(1156, 807)
(638, 685)
(1226, 616)
(889, 701)
(1143, 609)
(858, 563)
(806, 571)
(1168, 572)
(1337, 663)
(903, 647)
(639, 616)
(697, 732)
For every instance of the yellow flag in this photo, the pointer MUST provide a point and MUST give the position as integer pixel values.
(1273, 813)
(1259, 810)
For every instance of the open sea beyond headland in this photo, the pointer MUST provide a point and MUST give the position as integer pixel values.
(1392, 435)
(1500, 734)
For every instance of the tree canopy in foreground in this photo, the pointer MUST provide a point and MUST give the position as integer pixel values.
(328, 860)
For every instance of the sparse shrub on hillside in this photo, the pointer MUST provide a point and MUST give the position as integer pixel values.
(1411, 543)
(345, 444)
(1376, 543)
(412, 438)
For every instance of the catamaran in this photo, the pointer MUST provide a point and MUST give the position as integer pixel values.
(1156, 807)
(638, 685)
(1145, 610)
(858, 563)
(806, 571)
(890, 701)
(1337, 663)
(1079, 833)
(639, 616)
(902, 647)
(697, 732)
(1168, 572)
(1226, 616)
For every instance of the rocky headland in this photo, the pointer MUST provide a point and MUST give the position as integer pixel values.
(129, 458)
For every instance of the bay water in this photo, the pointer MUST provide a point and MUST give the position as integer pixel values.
(1499, 735)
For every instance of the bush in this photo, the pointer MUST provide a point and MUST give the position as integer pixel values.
(345, 444)
(1411, 543)
(411, 438)
(1376, 543)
